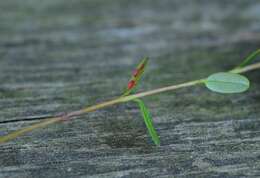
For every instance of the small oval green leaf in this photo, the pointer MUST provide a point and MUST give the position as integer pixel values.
(225, 82)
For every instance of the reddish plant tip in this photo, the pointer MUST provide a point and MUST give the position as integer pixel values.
(131, 84)
(135, 73)
(141, 67)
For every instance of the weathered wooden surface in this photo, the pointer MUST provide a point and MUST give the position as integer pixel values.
(63, 55)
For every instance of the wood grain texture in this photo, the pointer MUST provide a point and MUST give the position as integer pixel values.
(58, 56)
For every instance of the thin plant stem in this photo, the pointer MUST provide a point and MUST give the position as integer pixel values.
(123, 99)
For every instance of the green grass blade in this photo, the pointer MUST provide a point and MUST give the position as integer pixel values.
(148, 121)
(249, 58)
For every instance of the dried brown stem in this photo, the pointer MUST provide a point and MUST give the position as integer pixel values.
(73, 114)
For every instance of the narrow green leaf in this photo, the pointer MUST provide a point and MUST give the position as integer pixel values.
(148, 121)
(249, 58)
(137, 73)
(225, 82)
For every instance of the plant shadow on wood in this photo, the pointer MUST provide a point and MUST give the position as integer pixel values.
(124, 132)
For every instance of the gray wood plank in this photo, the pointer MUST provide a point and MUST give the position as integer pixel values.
(61, 56)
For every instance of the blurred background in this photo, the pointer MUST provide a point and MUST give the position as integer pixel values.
(58, 56)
